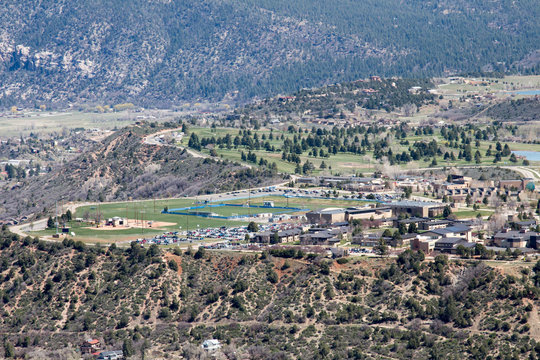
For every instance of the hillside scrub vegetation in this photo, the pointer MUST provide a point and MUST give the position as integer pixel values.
(262, 306)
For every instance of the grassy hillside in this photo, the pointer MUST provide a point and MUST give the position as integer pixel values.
(279, 305)
(159, 52)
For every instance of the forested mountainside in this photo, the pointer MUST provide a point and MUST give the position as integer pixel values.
(123, 167)
(282, 304)
(158, 52)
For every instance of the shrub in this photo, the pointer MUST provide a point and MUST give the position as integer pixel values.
(173, 265)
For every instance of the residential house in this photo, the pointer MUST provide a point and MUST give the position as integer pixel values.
(90, 346)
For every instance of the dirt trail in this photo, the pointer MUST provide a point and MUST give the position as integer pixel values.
(177, 259)
(534, 320)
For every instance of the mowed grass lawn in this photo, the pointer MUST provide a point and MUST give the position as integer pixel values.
(467, 214)
(304, 203)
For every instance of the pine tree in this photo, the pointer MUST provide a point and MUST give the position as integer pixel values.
(127, 348)
(50, 222)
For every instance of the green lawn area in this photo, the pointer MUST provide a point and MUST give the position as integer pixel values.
(138, 210)
(465, 214)
(306, 203)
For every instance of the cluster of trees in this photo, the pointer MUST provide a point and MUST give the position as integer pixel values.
(64, 218)
(333, 100)
(359, 140)
(15, 172)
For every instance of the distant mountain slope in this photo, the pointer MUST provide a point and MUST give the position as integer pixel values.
(157, 52)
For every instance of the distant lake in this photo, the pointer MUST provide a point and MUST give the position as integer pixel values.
(529, 155)
(528, 92)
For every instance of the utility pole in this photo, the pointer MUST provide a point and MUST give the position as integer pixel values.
(56, 215)
(142, 223)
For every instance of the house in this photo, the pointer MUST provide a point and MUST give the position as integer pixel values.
(211, 345)
(90, 346)
(111, 355)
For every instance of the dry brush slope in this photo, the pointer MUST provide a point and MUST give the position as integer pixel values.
(285, 305)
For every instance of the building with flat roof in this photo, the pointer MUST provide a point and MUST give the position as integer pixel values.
(449, 244)
(516, 238)
(384, 212)
(284, 236)
(326, 216)
(416, 208)
(462, 231)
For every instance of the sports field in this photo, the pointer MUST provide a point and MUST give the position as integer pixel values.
(140, 213)
(212, 210)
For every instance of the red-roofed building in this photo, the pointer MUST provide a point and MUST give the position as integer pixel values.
(90, 346)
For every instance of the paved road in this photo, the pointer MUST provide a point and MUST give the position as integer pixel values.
(153, 140)
(525, 171)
